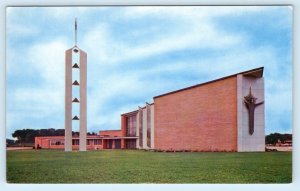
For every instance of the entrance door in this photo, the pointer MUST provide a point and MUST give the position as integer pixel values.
(130, 144)
(118, 144)
(110, 143)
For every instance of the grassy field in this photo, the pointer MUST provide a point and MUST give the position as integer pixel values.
(133, 166)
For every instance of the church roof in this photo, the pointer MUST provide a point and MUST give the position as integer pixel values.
(255, 73)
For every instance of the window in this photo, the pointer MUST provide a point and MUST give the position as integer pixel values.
(141, 128)
(75, 142)
(57, 142)
(97, 142)
(90, 142)
(148, 126)
(131, 126)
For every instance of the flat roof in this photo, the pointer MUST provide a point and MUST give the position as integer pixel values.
(88, 137)
(119, 138)
(135, 111)
(255, 73)
(130, 113)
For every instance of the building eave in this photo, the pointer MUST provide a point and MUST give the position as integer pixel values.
(256, 73)
(130, 113)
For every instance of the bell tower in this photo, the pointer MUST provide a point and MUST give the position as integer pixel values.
(75, 95)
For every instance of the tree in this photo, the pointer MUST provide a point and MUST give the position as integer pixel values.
(93, 133)
(274, 137)
(10, 142)
(28, 135)
(20, 135)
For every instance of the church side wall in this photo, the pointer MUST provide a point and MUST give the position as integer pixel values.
(202, 118)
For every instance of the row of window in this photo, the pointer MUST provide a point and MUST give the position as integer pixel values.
(148, 126)
(89, 142)
(141, 127)
(148, 132)
(76, 142)
(131, 126)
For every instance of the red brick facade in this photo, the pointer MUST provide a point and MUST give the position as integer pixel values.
(202, 118)
(111, 133)
(50, 142)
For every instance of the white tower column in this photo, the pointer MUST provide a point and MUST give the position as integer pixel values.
(68, 101)
(83, 102)
(76, 63)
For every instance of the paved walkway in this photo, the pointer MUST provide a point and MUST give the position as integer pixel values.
(280, 148)
(18, 148)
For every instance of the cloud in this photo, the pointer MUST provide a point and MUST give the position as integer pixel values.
(21, 31)
(135, 53)
(45, 102)
(47, 58)
(109, 50)
(67, 12)
(192, 13)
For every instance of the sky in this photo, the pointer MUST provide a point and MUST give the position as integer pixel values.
(136, 53)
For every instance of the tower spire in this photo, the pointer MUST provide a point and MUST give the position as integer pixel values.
(75, 61)
(75, 31)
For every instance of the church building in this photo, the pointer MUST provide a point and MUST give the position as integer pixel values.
(226, 114)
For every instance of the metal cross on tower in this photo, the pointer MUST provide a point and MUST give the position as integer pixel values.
(250, 102)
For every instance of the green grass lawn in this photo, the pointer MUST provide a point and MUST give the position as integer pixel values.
(133, 166)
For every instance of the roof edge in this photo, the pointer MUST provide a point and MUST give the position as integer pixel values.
(129, 113)
(208, 82)
(135, 111)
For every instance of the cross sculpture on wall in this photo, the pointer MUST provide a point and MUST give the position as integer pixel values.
(250, 102)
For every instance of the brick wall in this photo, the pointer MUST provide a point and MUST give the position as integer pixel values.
(44, 143)
(111, 133)
(203, 118)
